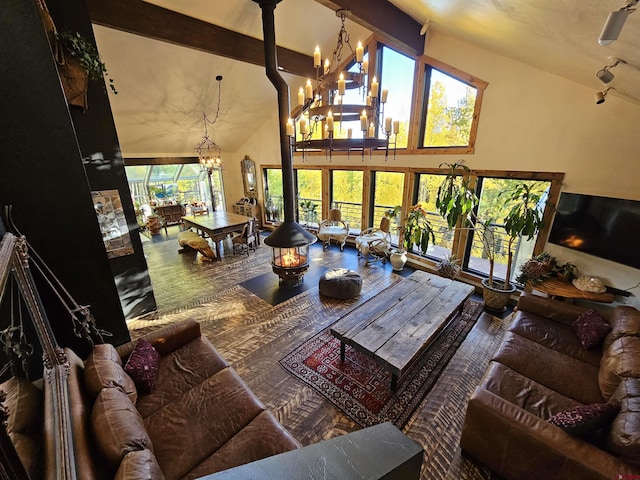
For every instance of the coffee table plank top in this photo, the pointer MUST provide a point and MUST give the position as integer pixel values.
(395, 326)
(380, 305)
(409, 342)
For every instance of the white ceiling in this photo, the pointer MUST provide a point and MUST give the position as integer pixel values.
(164, 88)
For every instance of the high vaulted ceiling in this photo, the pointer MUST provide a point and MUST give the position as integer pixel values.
(164, 86)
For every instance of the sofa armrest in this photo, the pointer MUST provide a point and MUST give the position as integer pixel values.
(167, 339)
(517, 444)
(561, 312)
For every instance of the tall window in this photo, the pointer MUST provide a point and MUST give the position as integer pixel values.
(162, 184)
(190, 187)
(396, 76)
(273, 194)
(493, 208)
(449, 110)
(387, 194)
(425, 194)
(346, 195)
(309, 188)
(137, 176)
(352, 96)
(218, 189)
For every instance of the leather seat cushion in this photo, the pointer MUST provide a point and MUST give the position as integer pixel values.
(625, 322)
(562, 373)
(624, 436)
(524, 392)
(139, 465)
(24, 403)
(621, 359)
(177, 374)
(103, 369)
(262, 438)
(117, 426)
(554, 335)
(219, 407)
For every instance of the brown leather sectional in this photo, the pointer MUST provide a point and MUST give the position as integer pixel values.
(541, 369)
(199, 419)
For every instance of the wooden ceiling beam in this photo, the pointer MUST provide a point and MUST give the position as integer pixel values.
(151, 21)
(385, 19)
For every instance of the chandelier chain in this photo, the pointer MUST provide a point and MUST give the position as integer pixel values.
(343, 38)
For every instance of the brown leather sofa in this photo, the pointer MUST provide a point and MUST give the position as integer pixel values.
(199, 421)
(200, 417)
(541, 369)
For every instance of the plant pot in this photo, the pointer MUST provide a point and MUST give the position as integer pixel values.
(398, 260)
(448, 270)
(564, 278)
(75, 81)
(496, 299)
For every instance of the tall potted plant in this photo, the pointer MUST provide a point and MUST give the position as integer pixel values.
(456, 202)
(415, 230)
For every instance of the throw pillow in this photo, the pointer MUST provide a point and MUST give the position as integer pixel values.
(143, 365)
(591, 328)
(585, 418)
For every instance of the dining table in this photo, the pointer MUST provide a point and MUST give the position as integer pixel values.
(216, 225)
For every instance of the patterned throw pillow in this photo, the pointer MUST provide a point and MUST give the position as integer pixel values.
(143, 365)
(585, 418)
(591, 328)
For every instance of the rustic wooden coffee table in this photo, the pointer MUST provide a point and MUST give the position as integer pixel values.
(397, 325)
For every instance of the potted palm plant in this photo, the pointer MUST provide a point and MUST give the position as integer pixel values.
(456, 202)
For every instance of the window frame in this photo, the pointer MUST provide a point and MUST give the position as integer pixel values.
(408, 196)
(373, 47)
(426, 64)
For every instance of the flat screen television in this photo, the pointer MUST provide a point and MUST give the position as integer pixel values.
(605, 227)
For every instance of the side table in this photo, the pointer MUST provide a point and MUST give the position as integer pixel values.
(555, 288)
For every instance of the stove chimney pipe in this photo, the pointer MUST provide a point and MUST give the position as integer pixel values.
(289, 228)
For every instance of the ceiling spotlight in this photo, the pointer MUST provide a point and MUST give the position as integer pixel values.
(615, 22)
(600, 96)
(604, 74)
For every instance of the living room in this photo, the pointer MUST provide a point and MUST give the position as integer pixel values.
(556, 126)
(531, 121)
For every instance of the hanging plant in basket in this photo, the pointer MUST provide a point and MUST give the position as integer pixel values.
(81, 62)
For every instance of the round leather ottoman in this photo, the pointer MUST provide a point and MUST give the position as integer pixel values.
(340, 283)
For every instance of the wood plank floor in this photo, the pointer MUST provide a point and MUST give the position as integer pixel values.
(253, 335)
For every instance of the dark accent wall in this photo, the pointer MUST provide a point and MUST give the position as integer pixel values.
(43, 177)
(104, 165)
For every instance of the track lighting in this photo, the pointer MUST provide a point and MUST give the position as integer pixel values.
(600, 96)
(604, 74)
(615, 22)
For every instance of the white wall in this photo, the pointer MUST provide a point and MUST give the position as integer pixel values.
(531, 121)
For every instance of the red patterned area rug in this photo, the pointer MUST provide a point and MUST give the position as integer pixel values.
(360, 388)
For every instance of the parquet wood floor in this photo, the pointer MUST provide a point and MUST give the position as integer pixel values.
(253, 335)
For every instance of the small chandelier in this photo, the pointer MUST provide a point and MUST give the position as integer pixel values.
(209, 151)
(321, 117)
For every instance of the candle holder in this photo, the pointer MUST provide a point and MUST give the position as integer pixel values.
(328, 108)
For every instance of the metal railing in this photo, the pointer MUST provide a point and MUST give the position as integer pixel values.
(352, 214)
(440, 249)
